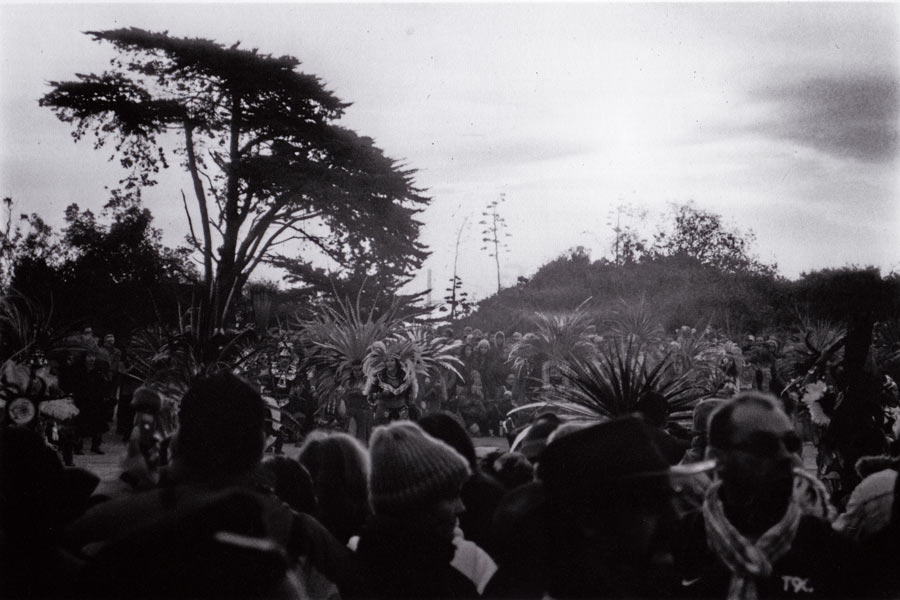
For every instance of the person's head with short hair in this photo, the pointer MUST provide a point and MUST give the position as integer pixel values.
(568, 427)
(535, 438)
(222, 428)
(511, 469)
(756, 449)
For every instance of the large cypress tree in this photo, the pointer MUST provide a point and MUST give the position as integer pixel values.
(267, 161)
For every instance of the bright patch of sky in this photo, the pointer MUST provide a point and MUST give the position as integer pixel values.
(781, 117)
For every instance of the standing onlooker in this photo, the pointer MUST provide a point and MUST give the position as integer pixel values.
(407, 546)
(481, 493)
(595, 524)
(129, 382)
(86, 384)
(113, 375)
(755, 537)
(700, 422)
(339, 466)
(212, 475)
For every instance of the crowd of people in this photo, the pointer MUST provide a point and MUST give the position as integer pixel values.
(586, 509)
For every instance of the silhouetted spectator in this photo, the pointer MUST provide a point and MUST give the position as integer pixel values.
(407, 545)
(339, 467)
(291, 482)
(596, 524)
(215, 455)
(480, 493)
(38, 498)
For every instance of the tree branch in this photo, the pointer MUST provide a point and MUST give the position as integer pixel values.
(201, 202)
(194, 241)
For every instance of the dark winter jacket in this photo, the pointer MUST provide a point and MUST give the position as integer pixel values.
(399, 560)
(481, 494)
(820, 564)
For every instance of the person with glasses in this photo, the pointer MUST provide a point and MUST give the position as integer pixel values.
(761, 532)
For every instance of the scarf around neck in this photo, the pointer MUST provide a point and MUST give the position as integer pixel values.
(747, 559)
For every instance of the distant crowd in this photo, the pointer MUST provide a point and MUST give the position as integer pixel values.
(581, 509)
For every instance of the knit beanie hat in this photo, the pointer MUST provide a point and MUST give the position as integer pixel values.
(411, 469)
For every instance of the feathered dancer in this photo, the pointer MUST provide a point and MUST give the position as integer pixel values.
(390, 369)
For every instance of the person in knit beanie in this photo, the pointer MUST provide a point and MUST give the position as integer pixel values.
(406, 546)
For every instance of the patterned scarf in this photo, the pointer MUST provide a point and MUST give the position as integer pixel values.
(811, 495)
(747, 560)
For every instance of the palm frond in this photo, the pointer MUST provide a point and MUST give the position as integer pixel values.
(618, 378)
(436, 354)
(555, 339)
(24, 326)
(814, 345)
(636, 323)
(339, 338)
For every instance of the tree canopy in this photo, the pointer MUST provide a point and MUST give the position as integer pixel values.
(113, 272)
(267, 161)
(702, 235)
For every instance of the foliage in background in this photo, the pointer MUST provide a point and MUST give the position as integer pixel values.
(24, 327)
(267, 161)
(112, 272)
(556, 338)
(336, 339)
(624, 372)
(636, 324)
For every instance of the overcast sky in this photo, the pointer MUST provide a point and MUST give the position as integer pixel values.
(781, 117)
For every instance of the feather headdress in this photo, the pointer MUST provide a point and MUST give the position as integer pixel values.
(405, 351)
(337, 340)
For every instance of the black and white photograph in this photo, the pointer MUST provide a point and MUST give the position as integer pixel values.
(500, 300)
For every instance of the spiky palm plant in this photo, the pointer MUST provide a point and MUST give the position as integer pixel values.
(814, 346)
(436, 355)
(336, 339)
(886, 347)
(24, 326)
(636, 323)
(557, 338)
(612, 383)
(168, 359)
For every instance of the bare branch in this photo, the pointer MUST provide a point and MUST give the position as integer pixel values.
(201, 202)
(194, 241)
(255, 142)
